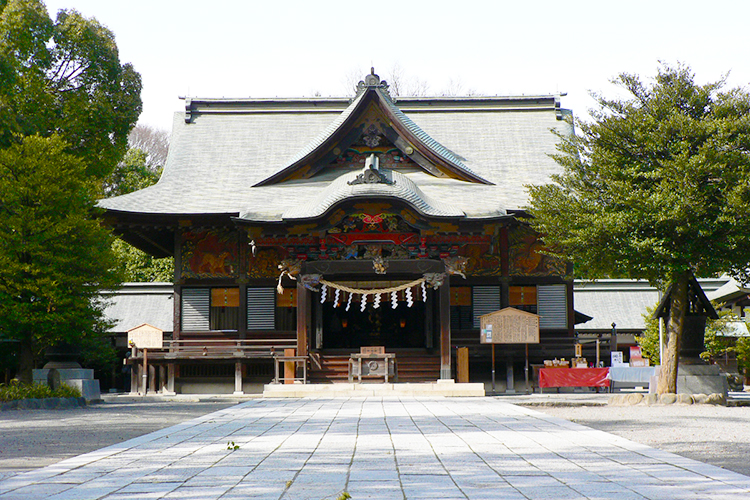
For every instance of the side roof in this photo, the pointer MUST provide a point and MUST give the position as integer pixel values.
(224, 151)
(622, 301)
(137, 303)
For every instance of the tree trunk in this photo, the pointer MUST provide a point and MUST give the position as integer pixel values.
(25, 363)
(677, 309)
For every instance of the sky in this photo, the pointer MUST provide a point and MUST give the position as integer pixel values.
(292, 48)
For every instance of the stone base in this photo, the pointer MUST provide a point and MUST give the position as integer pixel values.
(701, 379)
(80, 378)
(444, 387)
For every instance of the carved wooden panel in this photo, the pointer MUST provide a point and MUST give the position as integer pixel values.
(526, 257)
(209, 254)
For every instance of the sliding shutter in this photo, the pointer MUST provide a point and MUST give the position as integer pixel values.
(195, 309)
(552, 306)
(261, 308)
(485, 299)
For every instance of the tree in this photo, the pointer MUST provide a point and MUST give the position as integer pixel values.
(66, 108)
(65, 78)
(54, 257)
(131, 174)
(655, 186)
(154, 142)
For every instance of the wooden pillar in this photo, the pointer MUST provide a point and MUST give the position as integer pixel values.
(571, 308)
(445, 329)
(304, 318)
(290, 368)
(170, 378)
(144, 373)
(152, 379)
(177, 316)
(504, 251)
(242, 331)
(135, 378)
(162, 379)
(462, 360)
(238, 379)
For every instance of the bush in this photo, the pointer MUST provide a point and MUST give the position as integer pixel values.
(16, 390)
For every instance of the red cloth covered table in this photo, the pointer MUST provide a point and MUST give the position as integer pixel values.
(573, 377)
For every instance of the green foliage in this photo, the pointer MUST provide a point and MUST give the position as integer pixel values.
(656, 185)
(54, 258)
(649, 340)
(131, 174)
(16, 390)
(231, 446)
(66, 108)
(718, 343)
(64, 77)
(142, 267)
(742, 350)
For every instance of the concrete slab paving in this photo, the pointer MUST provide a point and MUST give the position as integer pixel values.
(377, 447)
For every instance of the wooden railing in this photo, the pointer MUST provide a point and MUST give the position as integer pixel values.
(219, 349)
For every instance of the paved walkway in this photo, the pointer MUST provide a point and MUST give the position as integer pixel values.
(436, 448)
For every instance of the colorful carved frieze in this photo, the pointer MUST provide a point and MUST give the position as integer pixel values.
(527, 258)
(265, 263)
(371, 222)
(483, 260)
(209, 254)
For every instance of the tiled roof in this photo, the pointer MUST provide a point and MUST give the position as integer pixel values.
(138, 303)
(402, 188)
(423, 136)
(620, 301)
(229, 146)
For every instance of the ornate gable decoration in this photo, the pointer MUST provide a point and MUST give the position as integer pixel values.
(371, 174)
(373, 120)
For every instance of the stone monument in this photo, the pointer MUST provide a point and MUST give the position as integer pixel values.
(63, 368)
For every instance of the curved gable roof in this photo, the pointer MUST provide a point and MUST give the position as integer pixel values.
(407, 135)
(399, 187)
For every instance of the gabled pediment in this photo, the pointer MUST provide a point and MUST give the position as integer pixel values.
(373, 124)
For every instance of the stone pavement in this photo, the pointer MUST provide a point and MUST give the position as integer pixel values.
(437, 448)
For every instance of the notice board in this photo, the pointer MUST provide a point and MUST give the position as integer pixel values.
(509, 326)
(146, 336)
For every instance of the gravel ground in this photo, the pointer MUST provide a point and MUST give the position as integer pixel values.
(36, 438)
(716, 435)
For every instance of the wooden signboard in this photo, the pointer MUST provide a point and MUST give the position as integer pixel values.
(509, 326)
(146, 336)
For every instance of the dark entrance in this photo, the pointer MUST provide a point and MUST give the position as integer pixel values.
(402, 327)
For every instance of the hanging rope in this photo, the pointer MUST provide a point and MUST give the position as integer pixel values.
(371, 291)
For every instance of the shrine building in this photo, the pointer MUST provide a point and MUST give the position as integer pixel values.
(330, 224)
